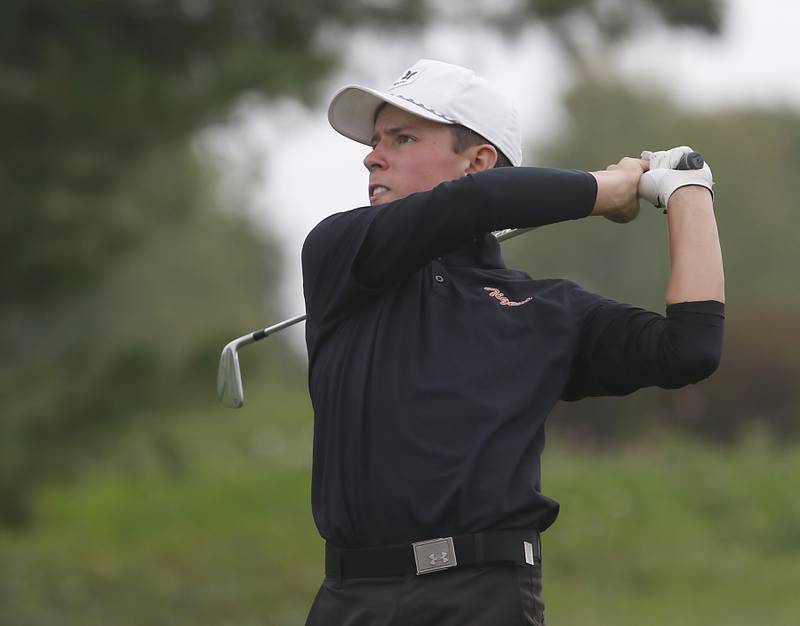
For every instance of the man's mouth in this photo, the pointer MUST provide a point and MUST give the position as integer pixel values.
(376, 190)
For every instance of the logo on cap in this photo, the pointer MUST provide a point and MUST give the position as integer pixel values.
(409, 77)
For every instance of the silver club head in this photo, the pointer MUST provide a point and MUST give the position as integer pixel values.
(229, 377)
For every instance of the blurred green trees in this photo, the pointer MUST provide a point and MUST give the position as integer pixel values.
(89, 89)
(121, 279)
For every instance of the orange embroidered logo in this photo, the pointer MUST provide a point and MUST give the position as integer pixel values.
(501, 297)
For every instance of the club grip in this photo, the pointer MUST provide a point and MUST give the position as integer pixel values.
(691, 161)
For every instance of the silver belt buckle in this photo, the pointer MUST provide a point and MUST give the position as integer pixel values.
(434, 555)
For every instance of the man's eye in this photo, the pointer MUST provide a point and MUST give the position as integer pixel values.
(405, 138)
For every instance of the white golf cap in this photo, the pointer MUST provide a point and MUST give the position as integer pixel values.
(437, 91)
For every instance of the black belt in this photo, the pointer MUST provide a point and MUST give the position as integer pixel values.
(422, 557)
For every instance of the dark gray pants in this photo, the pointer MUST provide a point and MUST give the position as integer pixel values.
(500, 594)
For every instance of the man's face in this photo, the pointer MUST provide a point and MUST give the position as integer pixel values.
(410, 154)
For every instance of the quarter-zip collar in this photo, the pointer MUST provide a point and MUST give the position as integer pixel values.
(484, 252)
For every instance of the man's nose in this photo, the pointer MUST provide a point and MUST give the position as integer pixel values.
(375, 159)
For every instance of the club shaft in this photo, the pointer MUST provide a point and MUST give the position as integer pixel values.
(510, 233)
(266, 332)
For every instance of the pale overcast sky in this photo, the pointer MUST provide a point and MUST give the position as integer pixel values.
(306, 171)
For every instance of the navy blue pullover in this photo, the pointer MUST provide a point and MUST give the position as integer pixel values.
(432, 366)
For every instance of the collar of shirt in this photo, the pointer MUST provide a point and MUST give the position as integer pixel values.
(483, 252)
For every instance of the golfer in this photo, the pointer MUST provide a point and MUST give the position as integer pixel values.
(433, 366)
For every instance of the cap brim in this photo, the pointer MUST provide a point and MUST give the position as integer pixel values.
(352, 111)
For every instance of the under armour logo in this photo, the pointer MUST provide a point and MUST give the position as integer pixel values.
(434, 555)
(435, 560)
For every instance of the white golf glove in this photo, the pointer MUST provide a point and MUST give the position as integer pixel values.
(659, 183)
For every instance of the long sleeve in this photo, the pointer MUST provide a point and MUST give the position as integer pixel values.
(623, 348)
(352, 255)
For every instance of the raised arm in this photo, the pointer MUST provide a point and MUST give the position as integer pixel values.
(350, 255)
(696, 257)
(696, 271)
(408, 233)
(624, 348)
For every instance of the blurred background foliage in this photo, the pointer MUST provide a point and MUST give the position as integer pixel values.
(127, 495)
(121, 278)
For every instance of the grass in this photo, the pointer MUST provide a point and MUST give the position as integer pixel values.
(675, 534)
(216, 529)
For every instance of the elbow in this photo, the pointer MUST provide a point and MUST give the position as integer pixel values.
(694, 367)
(703, 364)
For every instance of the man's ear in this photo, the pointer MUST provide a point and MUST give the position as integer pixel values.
(482, 157)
